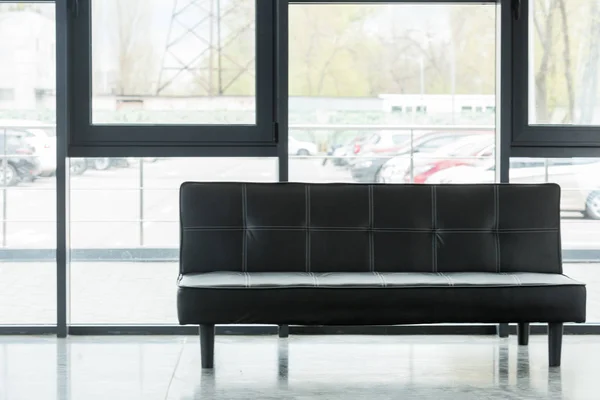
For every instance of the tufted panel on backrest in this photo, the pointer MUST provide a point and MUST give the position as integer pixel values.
(298, 227)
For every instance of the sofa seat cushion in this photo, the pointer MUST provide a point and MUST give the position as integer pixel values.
(277, 280)
(378, 298)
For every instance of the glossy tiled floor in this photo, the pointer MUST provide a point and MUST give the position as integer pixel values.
(301, 367)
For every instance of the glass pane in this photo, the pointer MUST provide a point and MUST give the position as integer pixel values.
(580, 215)
(564, 58)
(173, 62)
(125, 232)
(418, 80)
(27, 164)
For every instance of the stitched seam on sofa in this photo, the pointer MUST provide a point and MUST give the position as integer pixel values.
(315, 279)
(371, 232)
(497, 234)
(307, 230)
(540, 230)
(372, 286)
(434, 225)
(381, 277)
(245, 230)
(375, 286)
(447, 278)
(364, 229)
(514, 278)
(518, 280)
(433, 231)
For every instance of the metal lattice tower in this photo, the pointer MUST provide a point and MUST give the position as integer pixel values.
(200, 57)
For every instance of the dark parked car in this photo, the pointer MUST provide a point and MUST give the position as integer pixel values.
(366, 168)
(17, 160)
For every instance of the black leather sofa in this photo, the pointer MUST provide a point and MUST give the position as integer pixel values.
(354, 254)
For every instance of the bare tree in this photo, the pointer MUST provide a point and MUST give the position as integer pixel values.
(473, 38)
(568, 73)
(402, 53)
(588, 84)
(233, 52)
(122, 31)
(544, 13)
(550, 87)
(327, 44)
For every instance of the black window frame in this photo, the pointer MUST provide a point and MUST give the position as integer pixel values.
(86, 139)
(539, 140)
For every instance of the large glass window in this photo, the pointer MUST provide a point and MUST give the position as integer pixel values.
(27, 164)
(174, 62)
(144, 73)
(391, 93)
(580, 214)
(125, 232)
(555, 74)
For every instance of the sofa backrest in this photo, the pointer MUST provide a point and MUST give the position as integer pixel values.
(298, 227)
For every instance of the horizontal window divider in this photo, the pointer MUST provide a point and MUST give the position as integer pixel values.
(167, 329)
(125, 221)
(28, 330)
(567, 136)
(250, 330)
(174, 133)
(534, 151)
(434, 329)
(124, 189)
(170, 150)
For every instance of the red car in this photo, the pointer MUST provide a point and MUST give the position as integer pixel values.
(469, 154)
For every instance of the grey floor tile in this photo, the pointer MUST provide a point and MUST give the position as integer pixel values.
(88, 368)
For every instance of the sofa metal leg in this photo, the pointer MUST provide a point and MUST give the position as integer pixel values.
(207, 345)
(555, 334)
(284, 331)
(523, 333)
(503, 330)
